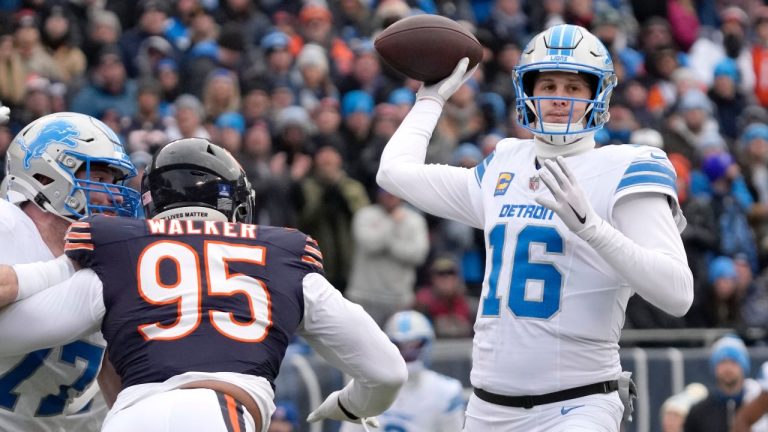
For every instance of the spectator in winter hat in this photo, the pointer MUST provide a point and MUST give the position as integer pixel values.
(688, 124)
(231, 128)
(312, 55)
(728, 97)
(103, 29)
(467, 155)
(153, 15)
(728, 42)
(357, 113)
(729, 364)
(718, 165)
(710, 143)
(402, 98)
(188, 118)
(753, 151)
(109, 88)
(316, 83)
(316, 26)
(356, 101)
(275, 40)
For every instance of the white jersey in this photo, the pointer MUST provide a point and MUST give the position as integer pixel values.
(430, 403)
(37, 389)
(550, 305)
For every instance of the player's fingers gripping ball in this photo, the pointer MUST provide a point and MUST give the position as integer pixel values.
(444, 89)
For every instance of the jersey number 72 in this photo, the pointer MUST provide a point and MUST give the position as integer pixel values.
(52, 404)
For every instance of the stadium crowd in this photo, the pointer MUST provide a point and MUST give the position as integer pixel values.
(296, 91)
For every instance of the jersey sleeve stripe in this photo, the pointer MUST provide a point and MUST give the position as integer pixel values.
(310, 260)
(480, 168)
(85, 225)
(649, 167)
(78, 236)
(646, 179)
(78, 246)
(311, 250)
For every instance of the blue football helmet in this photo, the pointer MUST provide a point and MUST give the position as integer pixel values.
(564, 48)
(44, 158)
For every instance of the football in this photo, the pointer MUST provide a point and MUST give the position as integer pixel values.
(427, 47)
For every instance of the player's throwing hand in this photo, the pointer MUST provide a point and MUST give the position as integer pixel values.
(443, 90)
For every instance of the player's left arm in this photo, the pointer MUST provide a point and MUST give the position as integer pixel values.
(644, 247)
(349, 339)
(53, 317)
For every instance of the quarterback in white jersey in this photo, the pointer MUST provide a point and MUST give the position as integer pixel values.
(60, 167)
(429, 401)
(571, 233)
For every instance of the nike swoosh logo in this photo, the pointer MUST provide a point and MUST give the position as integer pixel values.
(581, 219)
(656, 156)
(564, 410)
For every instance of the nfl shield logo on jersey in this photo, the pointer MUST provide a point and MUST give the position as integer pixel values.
(533, 183)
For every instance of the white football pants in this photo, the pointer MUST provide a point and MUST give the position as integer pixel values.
(593, 413)
(183, 410)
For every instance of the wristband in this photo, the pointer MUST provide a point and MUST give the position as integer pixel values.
(38, 276)
(346, 411)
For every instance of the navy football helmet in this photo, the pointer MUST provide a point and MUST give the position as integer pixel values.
(193, 178)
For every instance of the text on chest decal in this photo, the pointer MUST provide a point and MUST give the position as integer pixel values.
(529, 211)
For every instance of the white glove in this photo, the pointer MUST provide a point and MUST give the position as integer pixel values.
(5, 113)
(570, 204)
(441, 91)
(331, 409)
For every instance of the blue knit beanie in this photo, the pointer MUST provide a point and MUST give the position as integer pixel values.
(730, 347)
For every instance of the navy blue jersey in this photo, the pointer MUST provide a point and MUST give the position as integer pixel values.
(201, 296)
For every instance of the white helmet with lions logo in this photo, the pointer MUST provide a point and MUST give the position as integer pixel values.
(413, 335)
(564, 48)
(44, 158)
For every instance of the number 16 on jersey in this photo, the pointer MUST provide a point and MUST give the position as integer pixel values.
(524, 270)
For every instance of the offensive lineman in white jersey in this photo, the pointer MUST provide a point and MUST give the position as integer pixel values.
(571, 233)
(429, 401)
(59, 168)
